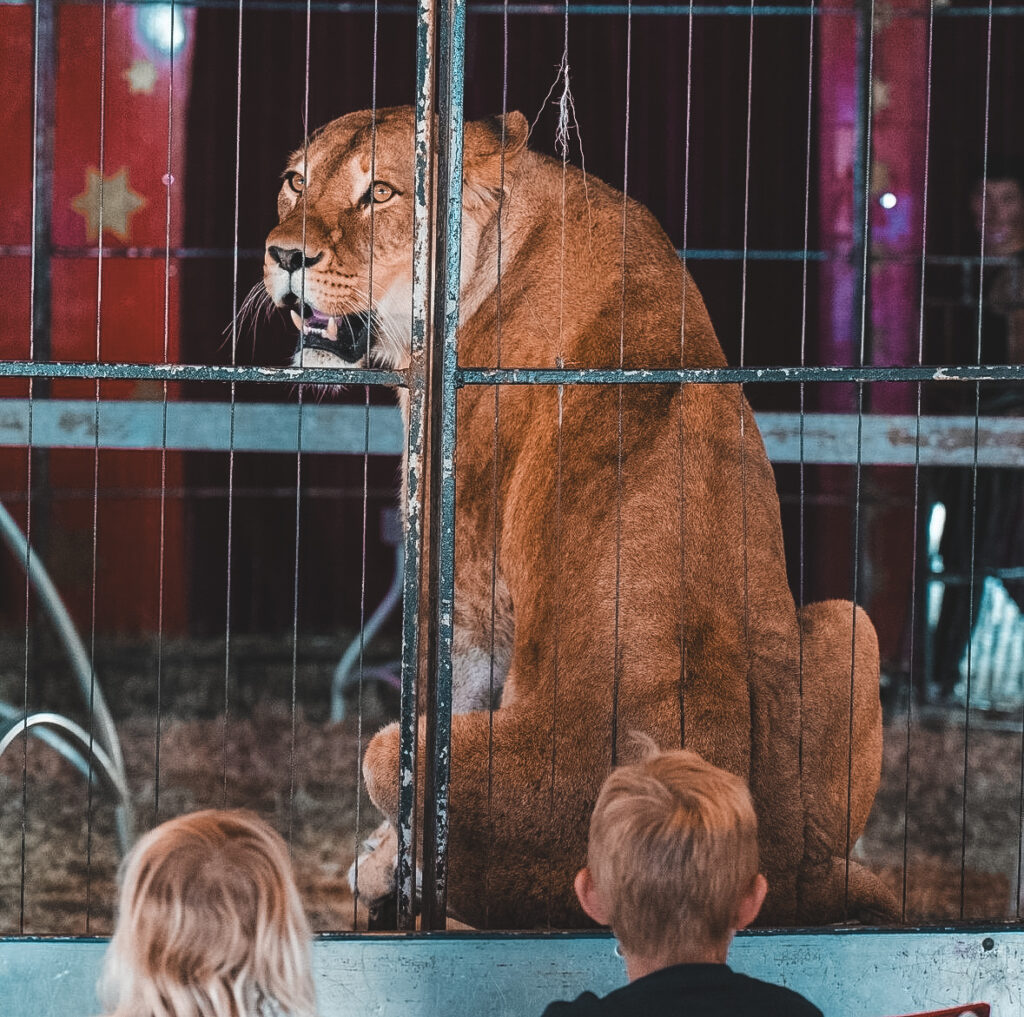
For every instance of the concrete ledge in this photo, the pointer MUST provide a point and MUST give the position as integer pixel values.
(857, 973)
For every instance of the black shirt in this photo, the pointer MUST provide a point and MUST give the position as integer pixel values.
(690, 990)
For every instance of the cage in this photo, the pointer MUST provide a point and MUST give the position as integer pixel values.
(219, 539)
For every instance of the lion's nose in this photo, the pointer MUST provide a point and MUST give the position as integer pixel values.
(291, 259)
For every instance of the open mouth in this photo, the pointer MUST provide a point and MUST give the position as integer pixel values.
(345, 336)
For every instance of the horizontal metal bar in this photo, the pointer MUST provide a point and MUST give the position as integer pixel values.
(201, 372)
(258, 427)
(732, 254)
(694, 254)
(509, 976)
(732, 375)
(892, 440)
(691, 253)
(955, 579)
(206, 492)
(273, 427)
(574, 9)
(24, 251)
(874, 257)
(504, 376)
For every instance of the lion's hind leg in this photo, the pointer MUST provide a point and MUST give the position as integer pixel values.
(842, 890)
(841, 718)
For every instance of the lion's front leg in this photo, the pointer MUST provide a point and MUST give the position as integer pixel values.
(372, 876)
(374, 879)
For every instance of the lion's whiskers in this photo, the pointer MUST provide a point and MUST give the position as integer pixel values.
(395, 348)
(255, 300)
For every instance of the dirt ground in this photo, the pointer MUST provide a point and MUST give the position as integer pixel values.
(915, 835)
(58, 853)
(70, 862)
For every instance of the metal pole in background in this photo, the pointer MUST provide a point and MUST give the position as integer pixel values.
(43, 120)
(451, 27)
(860, 312)
(415, 464)
(43, 116)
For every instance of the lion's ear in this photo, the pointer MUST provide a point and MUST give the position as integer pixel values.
(482, 150)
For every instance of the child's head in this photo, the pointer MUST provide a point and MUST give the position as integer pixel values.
(672, 862)
(210, 923)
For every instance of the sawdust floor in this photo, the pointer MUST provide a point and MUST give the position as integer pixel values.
(58, 855)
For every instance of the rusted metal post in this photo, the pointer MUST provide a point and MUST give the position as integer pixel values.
(450, 24)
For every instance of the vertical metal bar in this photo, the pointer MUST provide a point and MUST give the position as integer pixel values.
(802, 552)
(40, 344)
(556, 632)
(363, 635)
(860, 252)
(96, 460)
(495, 473)
(744, 515)
(45, 86)
(616, 644)
(37, 464)
(451, 27)
(862, 224)
(298, 453)
(916, 543)
(973, 577)
(229, 536)
(168, 183)
(414, 461)
(682, 388)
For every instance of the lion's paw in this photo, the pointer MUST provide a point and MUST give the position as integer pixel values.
(372, 874)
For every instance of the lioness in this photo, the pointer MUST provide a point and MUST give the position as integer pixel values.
(640, 582)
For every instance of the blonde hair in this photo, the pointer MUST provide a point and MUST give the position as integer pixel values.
(672, 852)
(210, 924)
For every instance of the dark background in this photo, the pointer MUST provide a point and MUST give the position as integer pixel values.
(702, 185)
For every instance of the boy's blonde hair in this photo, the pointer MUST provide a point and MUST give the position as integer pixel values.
(672, 852)
(210, 924)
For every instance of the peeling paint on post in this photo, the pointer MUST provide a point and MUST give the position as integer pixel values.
(413, 473)
(202, 372)
(725, 375)
(507, 375)
(450, 24)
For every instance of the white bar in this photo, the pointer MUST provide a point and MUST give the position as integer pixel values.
(273, 427)
(846, 974)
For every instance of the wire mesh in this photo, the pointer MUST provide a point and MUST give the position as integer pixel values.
(733, 255)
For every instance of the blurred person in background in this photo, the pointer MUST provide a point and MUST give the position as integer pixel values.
(984, 526)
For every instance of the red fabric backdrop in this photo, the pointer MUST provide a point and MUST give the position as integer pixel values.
(700, 189)
(131, 323)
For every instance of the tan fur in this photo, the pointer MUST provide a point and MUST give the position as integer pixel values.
(641, 578)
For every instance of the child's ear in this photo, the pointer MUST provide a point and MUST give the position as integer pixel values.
(588, 896)
(751, 903)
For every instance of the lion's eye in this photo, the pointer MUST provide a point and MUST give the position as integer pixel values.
(379, 192)
(295, 181)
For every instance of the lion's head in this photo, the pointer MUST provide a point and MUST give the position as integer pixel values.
(347, 193)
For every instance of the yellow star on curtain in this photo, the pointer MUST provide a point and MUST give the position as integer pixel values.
(120, 202)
